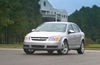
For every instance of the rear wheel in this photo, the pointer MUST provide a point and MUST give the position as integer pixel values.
(64, 50)
(29, 51)
(81, 49)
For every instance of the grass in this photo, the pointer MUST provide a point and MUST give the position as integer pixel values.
(93, 46)
(89, 46)
(11, 45)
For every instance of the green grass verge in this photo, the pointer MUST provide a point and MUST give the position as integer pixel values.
(21, 46)
(11, 45)
(92, 46)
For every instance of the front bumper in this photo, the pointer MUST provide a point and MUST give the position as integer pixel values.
(43, 45)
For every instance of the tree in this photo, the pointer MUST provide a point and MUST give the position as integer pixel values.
(18, 17)
(89, 21)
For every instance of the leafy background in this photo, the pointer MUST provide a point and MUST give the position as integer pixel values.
(89, 21)
(19, 17)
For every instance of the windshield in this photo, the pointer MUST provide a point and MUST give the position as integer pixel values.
(51, 27)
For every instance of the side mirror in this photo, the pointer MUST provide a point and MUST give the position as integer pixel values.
(71, 31)
(33, 30)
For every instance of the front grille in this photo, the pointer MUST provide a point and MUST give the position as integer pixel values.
(39, 38)
(37, 46)
(52, 46)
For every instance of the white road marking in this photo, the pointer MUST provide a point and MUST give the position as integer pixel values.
(11, 49)
(92, 50)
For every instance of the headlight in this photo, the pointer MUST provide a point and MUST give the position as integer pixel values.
(54, 38)
(27, 38)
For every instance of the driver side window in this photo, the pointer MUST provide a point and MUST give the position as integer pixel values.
(70, 27)
(76, 28)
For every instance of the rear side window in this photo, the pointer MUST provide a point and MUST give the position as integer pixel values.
(76, 28)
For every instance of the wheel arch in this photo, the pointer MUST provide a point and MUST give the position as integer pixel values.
(83, 40)
(65, 39)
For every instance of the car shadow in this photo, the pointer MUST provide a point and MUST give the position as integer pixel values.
(53, 54)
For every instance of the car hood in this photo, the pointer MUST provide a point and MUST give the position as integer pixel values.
(44, 34)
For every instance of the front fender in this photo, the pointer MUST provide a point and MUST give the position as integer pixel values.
(64, 38)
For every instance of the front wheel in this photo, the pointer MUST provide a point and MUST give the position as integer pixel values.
(50, 51)
(81, 49)
(64, 50)
(29, 51)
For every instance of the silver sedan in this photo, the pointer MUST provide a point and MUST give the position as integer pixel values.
(55, 36)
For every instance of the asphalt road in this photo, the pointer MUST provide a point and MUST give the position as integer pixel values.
(18, 57)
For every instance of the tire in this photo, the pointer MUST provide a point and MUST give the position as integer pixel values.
(65, 49)
(50, 51)
(28, 51)
(81, 49)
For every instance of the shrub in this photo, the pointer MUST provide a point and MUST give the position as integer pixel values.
(98, 41)
(89, 41)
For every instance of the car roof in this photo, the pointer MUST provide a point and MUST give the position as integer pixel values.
(60, 22)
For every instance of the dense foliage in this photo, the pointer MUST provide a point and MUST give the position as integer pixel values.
(18, 17)
(89, 21)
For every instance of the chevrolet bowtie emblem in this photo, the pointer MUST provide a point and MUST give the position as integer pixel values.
(39, 38)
